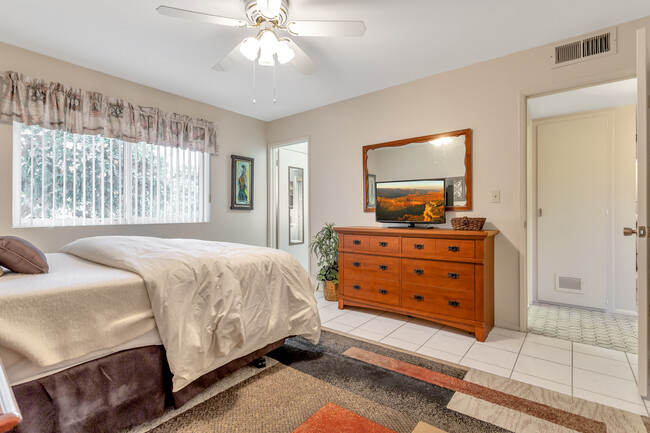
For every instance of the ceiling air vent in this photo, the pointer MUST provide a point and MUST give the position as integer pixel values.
(584, 48)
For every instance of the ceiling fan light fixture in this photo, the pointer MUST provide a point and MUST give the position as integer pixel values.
(266, 59)
(268, 42)
(250, 47)
(285, 53)
(269, 8)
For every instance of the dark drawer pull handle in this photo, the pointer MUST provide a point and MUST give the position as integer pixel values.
(356, 287)
(383, 244)
(383, 267)
(454, 249)
(356, 264)
(418, 297)
(418, 271)
(453, 275)
(383, 292)
(418, 246)
(356, 242)
(454, 303)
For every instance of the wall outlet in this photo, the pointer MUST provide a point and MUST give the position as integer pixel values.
(496, 196)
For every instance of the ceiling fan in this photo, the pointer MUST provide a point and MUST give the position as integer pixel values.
(270, 16)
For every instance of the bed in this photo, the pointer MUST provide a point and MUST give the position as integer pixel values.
(122, 327)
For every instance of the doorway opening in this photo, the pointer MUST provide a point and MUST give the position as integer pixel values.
(581, 194)
(289, 198)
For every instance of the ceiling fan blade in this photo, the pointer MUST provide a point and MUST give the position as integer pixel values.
(301, 60)
(327, 28)
(230, 60)
(200, 16)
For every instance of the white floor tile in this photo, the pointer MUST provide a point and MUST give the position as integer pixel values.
(322, 303)
(394, 318)
(542, 383)
(504, 342)
(543, 369)
(327, 314)
(332, 306)
(610, 401)
(444, 342)
(492, 355)
(549, 353)
(400, 343)
(364, 333)
(380, 326)
(413, 335)
(508, 333)
(423, 324)
(440, 354)
(353, 318)
(599, 351)
(490, 368)
(548, 341)
(369, 311)
(606, 385)
(337, 326)
(633, 358)
(457, 333)
(603, 365)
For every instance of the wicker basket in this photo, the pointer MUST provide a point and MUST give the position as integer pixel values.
(466, 223)
(331, 291)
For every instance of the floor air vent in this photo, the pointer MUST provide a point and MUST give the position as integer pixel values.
(568, 284)
(584, 48)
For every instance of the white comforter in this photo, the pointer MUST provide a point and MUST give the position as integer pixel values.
(212, 301)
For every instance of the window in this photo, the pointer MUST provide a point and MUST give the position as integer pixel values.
(65, 179)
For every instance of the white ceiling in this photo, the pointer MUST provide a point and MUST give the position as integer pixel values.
(405, 40)
(588, 98)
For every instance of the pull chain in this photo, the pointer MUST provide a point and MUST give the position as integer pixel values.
(254, 81)
(274, 82)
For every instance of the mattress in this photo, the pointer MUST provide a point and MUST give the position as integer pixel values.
(79, 311)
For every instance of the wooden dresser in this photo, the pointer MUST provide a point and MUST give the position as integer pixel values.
(446, 276)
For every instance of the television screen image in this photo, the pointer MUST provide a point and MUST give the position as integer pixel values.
(414, 201)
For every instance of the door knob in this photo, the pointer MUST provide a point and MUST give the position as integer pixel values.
(640, 232)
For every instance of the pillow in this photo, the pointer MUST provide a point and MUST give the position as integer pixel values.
(20, 256)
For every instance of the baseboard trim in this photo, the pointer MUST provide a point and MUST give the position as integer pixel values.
(626, 312)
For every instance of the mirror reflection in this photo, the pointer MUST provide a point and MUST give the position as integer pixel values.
(432, 157)
(296, 206)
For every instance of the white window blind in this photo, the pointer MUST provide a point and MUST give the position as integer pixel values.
(65, 179)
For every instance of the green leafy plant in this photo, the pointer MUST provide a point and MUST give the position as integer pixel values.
(325, 246)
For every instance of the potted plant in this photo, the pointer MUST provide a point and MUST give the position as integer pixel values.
(325, 246)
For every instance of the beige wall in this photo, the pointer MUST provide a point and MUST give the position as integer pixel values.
(485, 97)
(237, 134)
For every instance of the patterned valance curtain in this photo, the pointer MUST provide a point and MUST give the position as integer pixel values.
(55, 106)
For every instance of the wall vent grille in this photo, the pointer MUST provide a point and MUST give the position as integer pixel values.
(564, 283)
(584, 48)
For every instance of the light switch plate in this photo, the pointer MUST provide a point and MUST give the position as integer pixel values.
(496, 196)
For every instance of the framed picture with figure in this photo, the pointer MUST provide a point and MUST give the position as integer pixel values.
(241, 183)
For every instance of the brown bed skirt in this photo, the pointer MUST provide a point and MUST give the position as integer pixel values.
(111, 393)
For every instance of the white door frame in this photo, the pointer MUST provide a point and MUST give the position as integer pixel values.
(526, 249)
(272, 188)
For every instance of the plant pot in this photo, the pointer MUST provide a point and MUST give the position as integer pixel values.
(331, 290)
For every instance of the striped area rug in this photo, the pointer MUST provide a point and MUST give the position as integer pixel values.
(346, 385)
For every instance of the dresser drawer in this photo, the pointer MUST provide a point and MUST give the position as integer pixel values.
(438, 301)
(384, 244)
(385, 268)
(418, 247)
(356, 242)
(386, 292)
(449, 275)
(455, 248)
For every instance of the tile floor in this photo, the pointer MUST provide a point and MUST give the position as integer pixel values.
(611, 331)
(593, 373)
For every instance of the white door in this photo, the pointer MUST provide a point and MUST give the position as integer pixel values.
(573, 199)
(293, 201)
(642, 204)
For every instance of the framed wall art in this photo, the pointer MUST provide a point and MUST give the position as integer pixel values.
(241, 183)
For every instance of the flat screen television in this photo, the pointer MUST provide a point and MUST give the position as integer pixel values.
(411, 201)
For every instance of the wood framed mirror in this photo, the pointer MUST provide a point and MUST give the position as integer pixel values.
(447, 155)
